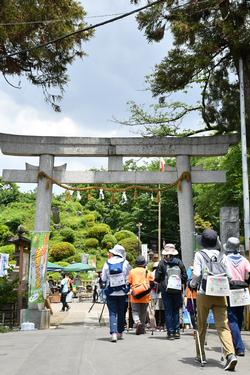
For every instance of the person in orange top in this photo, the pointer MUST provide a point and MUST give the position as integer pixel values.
(136, 276)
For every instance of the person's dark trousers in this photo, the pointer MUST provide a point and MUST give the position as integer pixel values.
(160, 318)
(172, 304)
(116, 307)
(63, 300)
(235, 319)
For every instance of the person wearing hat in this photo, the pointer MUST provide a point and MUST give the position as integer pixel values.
(172, 276)
(114, 275)
(157, 304)
(240, 269)
(209, 241)
(136, 277)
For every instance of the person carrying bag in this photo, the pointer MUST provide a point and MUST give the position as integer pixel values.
(239, 293)
(217, 303)
(172, 276)
(141, 282)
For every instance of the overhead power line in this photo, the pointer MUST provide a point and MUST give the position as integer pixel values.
(55, 20)
(84, 29)
(91, 27)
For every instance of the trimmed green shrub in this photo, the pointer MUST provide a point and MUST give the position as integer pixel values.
(122, 234)
(98, 231)
(67, 234)
(62, 250)
(77, 258)
(131, 247)
(5, 234)
(8, 290)
(91, 242)
(7, 249)
(109, 241)
(90, 217)
(14, 222)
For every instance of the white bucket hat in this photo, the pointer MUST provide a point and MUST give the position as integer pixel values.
(232, 245)
(118, 250)
(169, 249)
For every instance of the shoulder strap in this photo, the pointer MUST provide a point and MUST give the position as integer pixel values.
(205, 256)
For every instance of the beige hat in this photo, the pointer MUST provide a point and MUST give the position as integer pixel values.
(169, 249)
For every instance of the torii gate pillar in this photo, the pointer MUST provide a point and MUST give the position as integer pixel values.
(44, 194)
(186, 211)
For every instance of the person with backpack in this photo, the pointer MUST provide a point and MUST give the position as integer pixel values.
(172, 276)
(141, 282)
(209, 262)
(65, 288)
(114, 275)
(240, 269)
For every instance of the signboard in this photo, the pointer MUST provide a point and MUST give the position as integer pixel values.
(217, 286)
(38, 262)
(92, 260)
(4, 264)
(239, 297)
(144, 251)
(85, 258)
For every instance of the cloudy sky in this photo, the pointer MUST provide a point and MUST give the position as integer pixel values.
(100, 85)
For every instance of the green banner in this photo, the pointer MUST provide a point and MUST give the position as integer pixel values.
(38, 263)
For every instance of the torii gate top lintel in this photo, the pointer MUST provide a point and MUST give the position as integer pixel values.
(24, 145)
(47, 148)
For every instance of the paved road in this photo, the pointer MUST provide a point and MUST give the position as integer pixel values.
(76, 344)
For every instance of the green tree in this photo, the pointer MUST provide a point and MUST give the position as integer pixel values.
(219, 195)
(26, 24)
(8, 193)
(209, 37)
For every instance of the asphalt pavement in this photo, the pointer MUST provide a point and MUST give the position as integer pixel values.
(78, 344)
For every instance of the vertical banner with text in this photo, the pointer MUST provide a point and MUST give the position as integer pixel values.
(38, 263)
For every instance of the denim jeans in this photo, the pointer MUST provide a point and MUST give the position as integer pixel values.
(172, 303)
(116, 306)
(235, 319)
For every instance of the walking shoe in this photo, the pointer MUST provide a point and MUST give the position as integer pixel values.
(67, 309)
(231, 362)
(177, 335)
(113, 337)
(170, 336)
(139, 329)
(240, 354)
(119, 336)
(198, 360)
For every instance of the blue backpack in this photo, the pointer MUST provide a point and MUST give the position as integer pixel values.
(116, 278)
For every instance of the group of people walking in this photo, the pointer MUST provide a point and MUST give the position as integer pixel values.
(134, 286)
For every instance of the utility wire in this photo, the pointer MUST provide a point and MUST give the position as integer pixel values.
(94, 27)
(55, 20)
(84, 30)
(95, 16)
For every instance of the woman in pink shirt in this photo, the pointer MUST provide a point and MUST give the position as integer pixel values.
(240, 269)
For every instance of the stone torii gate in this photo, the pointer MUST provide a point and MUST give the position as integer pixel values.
(47, 148)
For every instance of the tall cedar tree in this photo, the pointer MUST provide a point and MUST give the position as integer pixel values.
(26, 24)
(209, 37)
